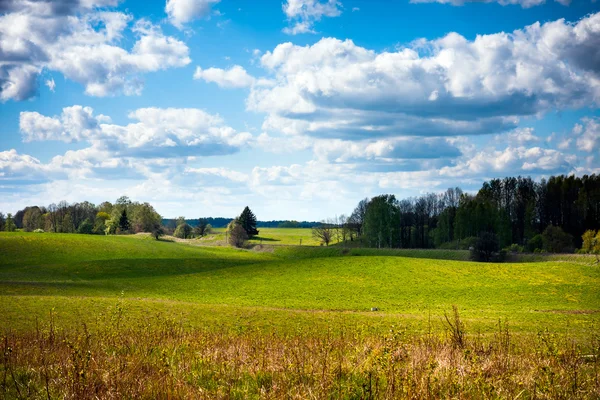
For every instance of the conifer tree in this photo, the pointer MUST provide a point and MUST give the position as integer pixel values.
(124, 221)
(248, 221)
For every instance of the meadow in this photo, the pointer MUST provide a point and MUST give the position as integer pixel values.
(267, 236)
(111, 316)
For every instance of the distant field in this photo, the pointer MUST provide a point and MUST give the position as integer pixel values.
(271, 236)
(77, 273)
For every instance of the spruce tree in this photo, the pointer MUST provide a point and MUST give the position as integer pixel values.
(124, 221)
(248, 221)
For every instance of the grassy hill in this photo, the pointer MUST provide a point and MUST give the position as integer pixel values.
(92, 317)
(74, 272)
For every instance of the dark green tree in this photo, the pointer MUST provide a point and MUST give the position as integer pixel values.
(486, 246)
(124, 221)
(248, 221)
(86, 227)
(556, 240)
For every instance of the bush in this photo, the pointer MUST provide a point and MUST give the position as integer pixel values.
(514, 248)
(557, 241)
(486, 247)
(535, 243)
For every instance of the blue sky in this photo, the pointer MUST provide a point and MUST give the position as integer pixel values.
(297, 108)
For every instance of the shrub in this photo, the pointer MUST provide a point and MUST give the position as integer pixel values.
(535, 243)
(514, 248)
(557, 241)
(183, 231)
(485, 247)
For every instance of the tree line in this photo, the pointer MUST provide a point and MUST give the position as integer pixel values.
(124, 216)
(220, 222)
(550, 215)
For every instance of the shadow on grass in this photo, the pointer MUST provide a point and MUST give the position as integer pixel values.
(264, 239)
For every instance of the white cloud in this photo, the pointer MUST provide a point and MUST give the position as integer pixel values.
(82, 43)
(519, 136)
(76, 123)
(15, 167)
(158, 132)
(180, 12)
(235, 77)
(303, 14)
(448, 86)
(51, 84)
(588, 134)
(510, 161)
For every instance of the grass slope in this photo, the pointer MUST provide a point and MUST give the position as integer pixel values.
(81, 275)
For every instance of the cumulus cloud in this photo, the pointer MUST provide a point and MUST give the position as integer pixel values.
(22, 169)
(385, 150)
(181, 12)
(588, 134)
(448, 86)
(76, 123)
(82, 42)
(511, 161)
(157, 132)
(235, 77)
(302, 14)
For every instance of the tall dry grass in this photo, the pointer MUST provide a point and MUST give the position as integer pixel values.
(159, 358)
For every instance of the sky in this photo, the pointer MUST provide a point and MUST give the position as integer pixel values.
(296, 108)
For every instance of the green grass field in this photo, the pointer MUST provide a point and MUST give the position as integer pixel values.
(285, 285)
(268, 236)
(91, 317)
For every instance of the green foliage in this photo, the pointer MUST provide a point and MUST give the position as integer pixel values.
(486, 246)
(86, 227)
(111, 226)
(183, 231)
(514, 248)
(9, 224)
(144, 218)
(202, 228)
(157, 231)
(556, 240)
(248, 221)
(591, 242)
(536, 243)
(382, 222)
(32, 219)
(289, 224)
(124, 222)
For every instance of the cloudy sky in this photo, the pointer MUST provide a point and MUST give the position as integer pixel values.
(297, 108)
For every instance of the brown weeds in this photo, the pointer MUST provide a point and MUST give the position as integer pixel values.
(159, 358)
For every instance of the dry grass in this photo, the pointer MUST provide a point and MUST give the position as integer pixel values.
(157, 358)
